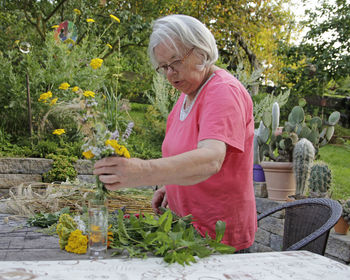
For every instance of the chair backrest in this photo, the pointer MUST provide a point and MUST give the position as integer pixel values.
(307, 223)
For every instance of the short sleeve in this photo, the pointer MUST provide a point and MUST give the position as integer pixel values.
(223, 116)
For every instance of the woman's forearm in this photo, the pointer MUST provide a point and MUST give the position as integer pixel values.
(185, 169)
(188, 168)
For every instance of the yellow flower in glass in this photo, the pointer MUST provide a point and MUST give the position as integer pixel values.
(77, 242)
(75, 89)
(53, 101)
(64, 86)
(55, 26)
(115, 18)
(58, 131)
(96, 63)
(90, 20)
(69, 41)
(77, 11)
(88, 154)
(44, 96)
(89, 93)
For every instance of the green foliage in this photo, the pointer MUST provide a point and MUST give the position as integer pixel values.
(45, 220)
(62, 169)
(169, 236)
(263, 104)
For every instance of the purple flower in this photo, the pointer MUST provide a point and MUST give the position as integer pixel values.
(128, 131)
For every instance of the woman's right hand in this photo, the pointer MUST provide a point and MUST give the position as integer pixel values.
(159, 200)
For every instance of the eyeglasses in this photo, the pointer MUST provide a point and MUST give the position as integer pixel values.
(175, 65)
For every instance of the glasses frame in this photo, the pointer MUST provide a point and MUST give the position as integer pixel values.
(163, 69)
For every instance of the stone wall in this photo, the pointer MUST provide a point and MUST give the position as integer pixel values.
(14, 171)
(270, 232)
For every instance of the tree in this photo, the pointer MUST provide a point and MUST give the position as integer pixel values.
(328, 41)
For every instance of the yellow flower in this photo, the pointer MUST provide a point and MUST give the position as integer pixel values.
(119, 149)
(78, 12)
(89, 93)
(69, 41)
(64, 86)
(16, 42)
(88, 154)
(90, 20)
(115, 18)
(58, 131)
(55, 26)
(96, 63)
(75, 89)
(53, 101)
(109, 46)
(110, 238)
(45, 96)
(77, 242)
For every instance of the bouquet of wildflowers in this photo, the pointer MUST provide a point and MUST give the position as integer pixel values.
(99, 141)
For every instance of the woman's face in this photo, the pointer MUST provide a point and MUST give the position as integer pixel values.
(185, 77)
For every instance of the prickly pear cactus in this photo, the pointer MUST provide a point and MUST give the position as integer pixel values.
(303, 156)
(320, 179)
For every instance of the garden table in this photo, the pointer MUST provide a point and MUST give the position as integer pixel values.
(28, 254)
(260, 266)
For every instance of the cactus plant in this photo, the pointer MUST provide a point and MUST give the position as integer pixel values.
(318, 132)
(346, 210)
(320, 179)
(303, 156)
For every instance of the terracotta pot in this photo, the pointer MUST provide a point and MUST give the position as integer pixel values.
(280, 180)
(341, 227)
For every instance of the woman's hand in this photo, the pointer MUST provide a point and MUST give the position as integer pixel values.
(118, 172)
(159, 200)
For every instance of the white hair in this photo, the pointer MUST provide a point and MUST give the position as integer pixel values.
(189, 32)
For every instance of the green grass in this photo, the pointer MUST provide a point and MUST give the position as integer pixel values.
(338, 159)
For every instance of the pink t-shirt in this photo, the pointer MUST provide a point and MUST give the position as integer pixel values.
(223, 111)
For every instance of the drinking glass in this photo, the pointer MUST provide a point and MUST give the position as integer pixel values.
(98, 227)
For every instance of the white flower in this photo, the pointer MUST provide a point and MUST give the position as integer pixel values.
(80, 224)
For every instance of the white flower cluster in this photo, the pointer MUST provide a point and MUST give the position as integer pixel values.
(80, 224)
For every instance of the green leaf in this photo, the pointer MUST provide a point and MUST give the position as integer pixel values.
(166, 220)
(201, 251)
(222, 248)
(220, 227)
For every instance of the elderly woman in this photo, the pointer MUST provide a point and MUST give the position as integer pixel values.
(208, 146)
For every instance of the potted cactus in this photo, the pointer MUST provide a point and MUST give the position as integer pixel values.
(342, 226)
(278, 147)
(320, 180)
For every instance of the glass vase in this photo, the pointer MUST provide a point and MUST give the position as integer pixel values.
(98, 228)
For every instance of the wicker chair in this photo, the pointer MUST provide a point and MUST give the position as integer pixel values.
(307, 223)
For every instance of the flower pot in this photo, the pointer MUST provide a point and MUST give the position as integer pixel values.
(258, 173)
(280, 180)
(341, 227)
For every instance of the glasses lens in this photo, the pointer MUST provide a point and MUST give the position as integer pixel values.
(162, 69)
(176, 65)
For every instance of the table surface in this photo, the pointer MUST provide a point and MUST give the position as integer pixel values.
(294, 265)
(28, 254)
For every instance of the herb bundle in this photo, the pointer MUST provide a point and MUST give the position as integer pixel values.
(172, 237)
